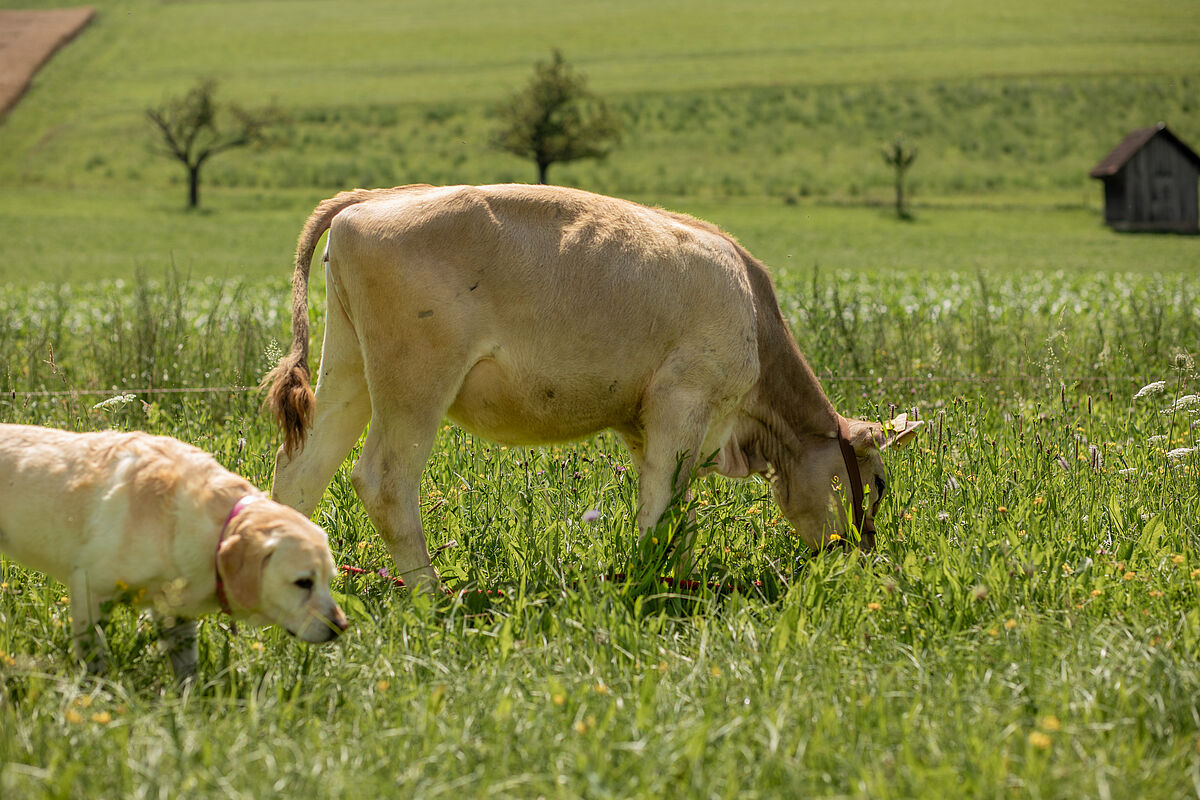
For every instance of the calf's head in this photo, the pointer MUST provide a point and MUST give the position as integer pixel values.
(276, 567)
(814, 492)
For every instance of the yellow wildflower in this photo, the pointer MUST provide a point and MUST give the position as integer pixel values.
(1039, 740)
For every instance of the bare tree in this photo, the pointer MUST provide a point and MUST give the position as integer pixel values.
(556, 118)
(900, 157)
(195, 127)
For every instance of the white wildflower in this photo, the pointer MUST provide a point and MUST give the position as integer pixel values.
(1187, 401)
(1160, 437)
(1180, 452)
(1150, 389)
(591, 515)
(943, 516)
(115, 402)
(1129, 471)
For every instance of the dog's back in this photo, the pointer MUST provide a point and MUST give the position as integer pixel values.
(75, 499)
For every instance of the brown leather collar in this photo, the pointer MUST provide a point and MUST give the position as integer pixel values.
(856, 484)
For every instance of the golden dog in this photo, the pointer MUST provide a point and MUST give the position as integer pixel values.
(158, 522)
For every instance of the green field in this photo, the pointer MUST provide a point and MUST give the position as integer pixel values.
(1030, 625)
(771, 108)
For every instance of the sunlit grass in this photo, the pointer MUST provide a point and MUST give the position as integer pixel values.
(1031, 622)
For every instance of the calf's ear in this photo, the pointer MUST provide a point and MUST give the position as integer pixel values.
(900, 432)
(864, 436)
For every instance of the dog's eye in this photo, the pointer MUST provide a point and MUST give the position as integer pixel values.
(305, 583)
(881, 485)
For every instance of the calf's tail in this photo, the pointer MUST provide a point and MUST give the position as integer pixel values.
(290, 397)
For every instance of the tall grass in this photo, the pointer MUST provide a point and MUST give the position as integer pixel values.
(1028, 625)
(66, 348)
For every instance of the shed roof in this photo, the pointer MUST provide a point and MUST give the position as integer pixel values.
(1136, 141)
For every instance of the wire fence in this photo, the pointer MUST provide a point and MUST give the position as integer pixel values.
(122, 391)
(980, 379)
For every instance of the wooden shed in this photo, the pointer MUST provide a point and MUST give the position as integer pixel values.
(1150, 183)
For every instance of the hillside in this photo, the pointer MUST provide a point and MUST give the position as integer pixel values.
(776, 103)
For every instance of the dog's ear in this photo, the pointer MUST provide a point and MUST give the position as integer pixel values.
(241, 560)
(900, 432)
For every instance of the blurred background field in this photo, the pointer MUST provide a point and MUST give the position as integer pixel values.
(770, 112)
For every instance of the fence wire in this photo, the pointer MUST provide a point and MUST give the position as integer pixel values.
(116, 391)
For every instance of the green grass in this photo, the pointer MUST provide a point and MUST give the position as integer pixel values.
(84, 236)
(757, 122)
(768, 100)
(1031, 623)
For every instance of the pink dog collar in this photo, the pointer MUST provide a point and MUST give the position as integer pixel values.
(241, 504)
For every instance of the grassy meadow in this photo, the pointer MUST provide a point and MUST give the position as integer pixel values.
(1030, 624)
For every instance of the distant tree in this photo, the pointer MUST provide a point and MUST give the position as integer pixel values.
(900, 157)
(556, 119)
(195, 127)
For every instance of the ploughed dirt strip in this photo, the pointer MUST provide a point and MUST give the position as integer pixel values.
(27, 40)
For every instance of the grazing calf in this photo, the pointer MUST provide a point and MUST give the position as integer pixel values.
(534, 314)
(149, 519)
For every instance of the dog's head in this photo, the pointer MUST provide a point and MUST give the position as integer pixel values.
(276, 568)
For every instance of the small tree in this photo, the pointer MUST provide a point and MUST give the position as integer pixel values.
(195, 127)
(556, 118)
(900, 158)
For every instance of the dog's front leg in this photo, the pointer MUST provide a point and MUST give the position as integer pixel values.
(179, 635)
(87, 625)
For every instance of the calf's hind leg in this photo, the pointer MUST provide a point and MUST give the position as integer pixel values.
(343, 408)
(408, 405)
